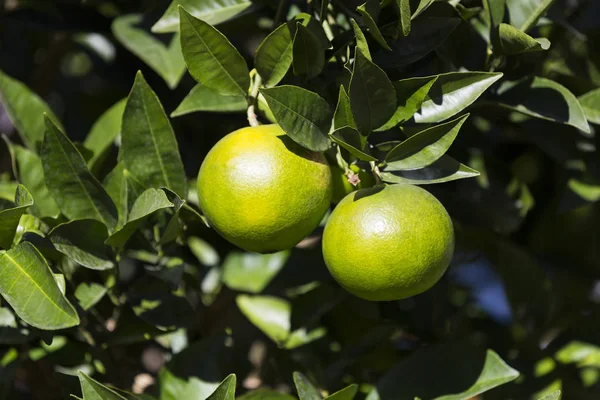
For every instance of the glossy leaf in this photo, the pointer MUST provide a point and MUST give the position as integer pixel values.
(149, 202)
(480, 372)
(590, 102)
(166, 61)
(25, 110)
(149, 149)
(453, 92)
(308, 56)
(104, 132)
(94, 390)
(351, 140)
(443, 170)
(77, 192)
(552, 396)
(372, 95)
(423, 5)
(117, 188)
(404, 12)
(203, 98)
(410, 95)
(273, 57)
(272, 316)
(226, 390)
(361, 40)
(10, 217)
(28, 285)
(425, 36)
(306, 390)
(369, 12)
(514, 41)
(213, 12)
(543, 98)
(211, 59)
(252, 272)
(302, 114)
(425, 147)
(83, 242)
(346, 393)
(343, 112)
(524, 14)
(89, 294)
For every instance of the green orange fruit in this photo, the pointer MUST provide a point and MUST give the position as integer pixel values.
(341, 186)
(262, 191)
(388, 242)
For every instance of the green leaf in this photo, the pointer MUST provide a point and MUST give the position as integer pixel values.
(117, 188)
(27, 284)
(203, 98)
(104, 132)
(89, 294)
(524, 14)
(148, 145)
(453, 92)
(423, 5)
(369, 12)
(165, 61)
(174, 227)
(351, 140)
(9, 218)
(213, 12)
(361, 40)
(149, 202)
(274, 55)
(513, 41)
(25, 110)
(226, 390)
(346, 393)
(405, 16)
(252, 272)
(480, 371)
(590, 102)
(410, 95)
(545, 99)
(306, 390)
(425, 147)
(94, 390)
(343, 112)
(308, 56)
(552, 396)
(425, 36)
(203, 251)
(272, 316)
(211, 59)
(372, 95)
(83, 242)
(495, 12)
(302, 114)
(443, 170)
(266, 394)
(77, 192)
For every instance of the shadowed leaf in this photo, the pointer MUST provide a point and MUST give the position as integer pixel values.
(443, 170)
(10, 217)
(203, 98)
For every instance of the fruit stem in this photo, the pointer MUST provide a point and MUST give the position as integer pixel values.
(256, 83)
(376, 172)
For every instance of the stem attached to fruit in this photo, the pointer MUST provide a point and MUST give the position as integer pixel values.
(256, 83)
(376, 172)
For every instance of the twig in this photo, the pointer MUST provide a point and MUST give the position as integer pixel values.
(256, 82)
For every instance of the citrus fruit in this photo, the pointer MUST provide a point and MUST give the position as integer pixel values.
(262, 191)
(341, 186)
(388, 242)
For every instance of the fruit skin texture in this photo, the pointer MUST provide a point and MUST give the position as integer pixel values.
(341, 186)
(388, 242)
(262, 191)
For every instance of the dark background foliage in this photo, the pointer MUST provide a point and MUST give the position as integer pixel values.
(523, 282)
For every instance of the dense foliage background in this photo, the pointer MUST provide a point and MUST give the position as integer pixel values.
(170, 309)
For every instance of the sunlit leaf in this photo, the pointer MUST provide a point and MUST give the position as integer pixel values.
(252, 272)
(226, 390)
(94, 390)
(203, 98)
(346, 393)
(28, 285)
(104, 132)
(89, 294)
(590, 102)
(443, 170)
(410, 95)
(273, 56)
(514, 41)
(167, 61)
(10, 217)
(524, 14)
